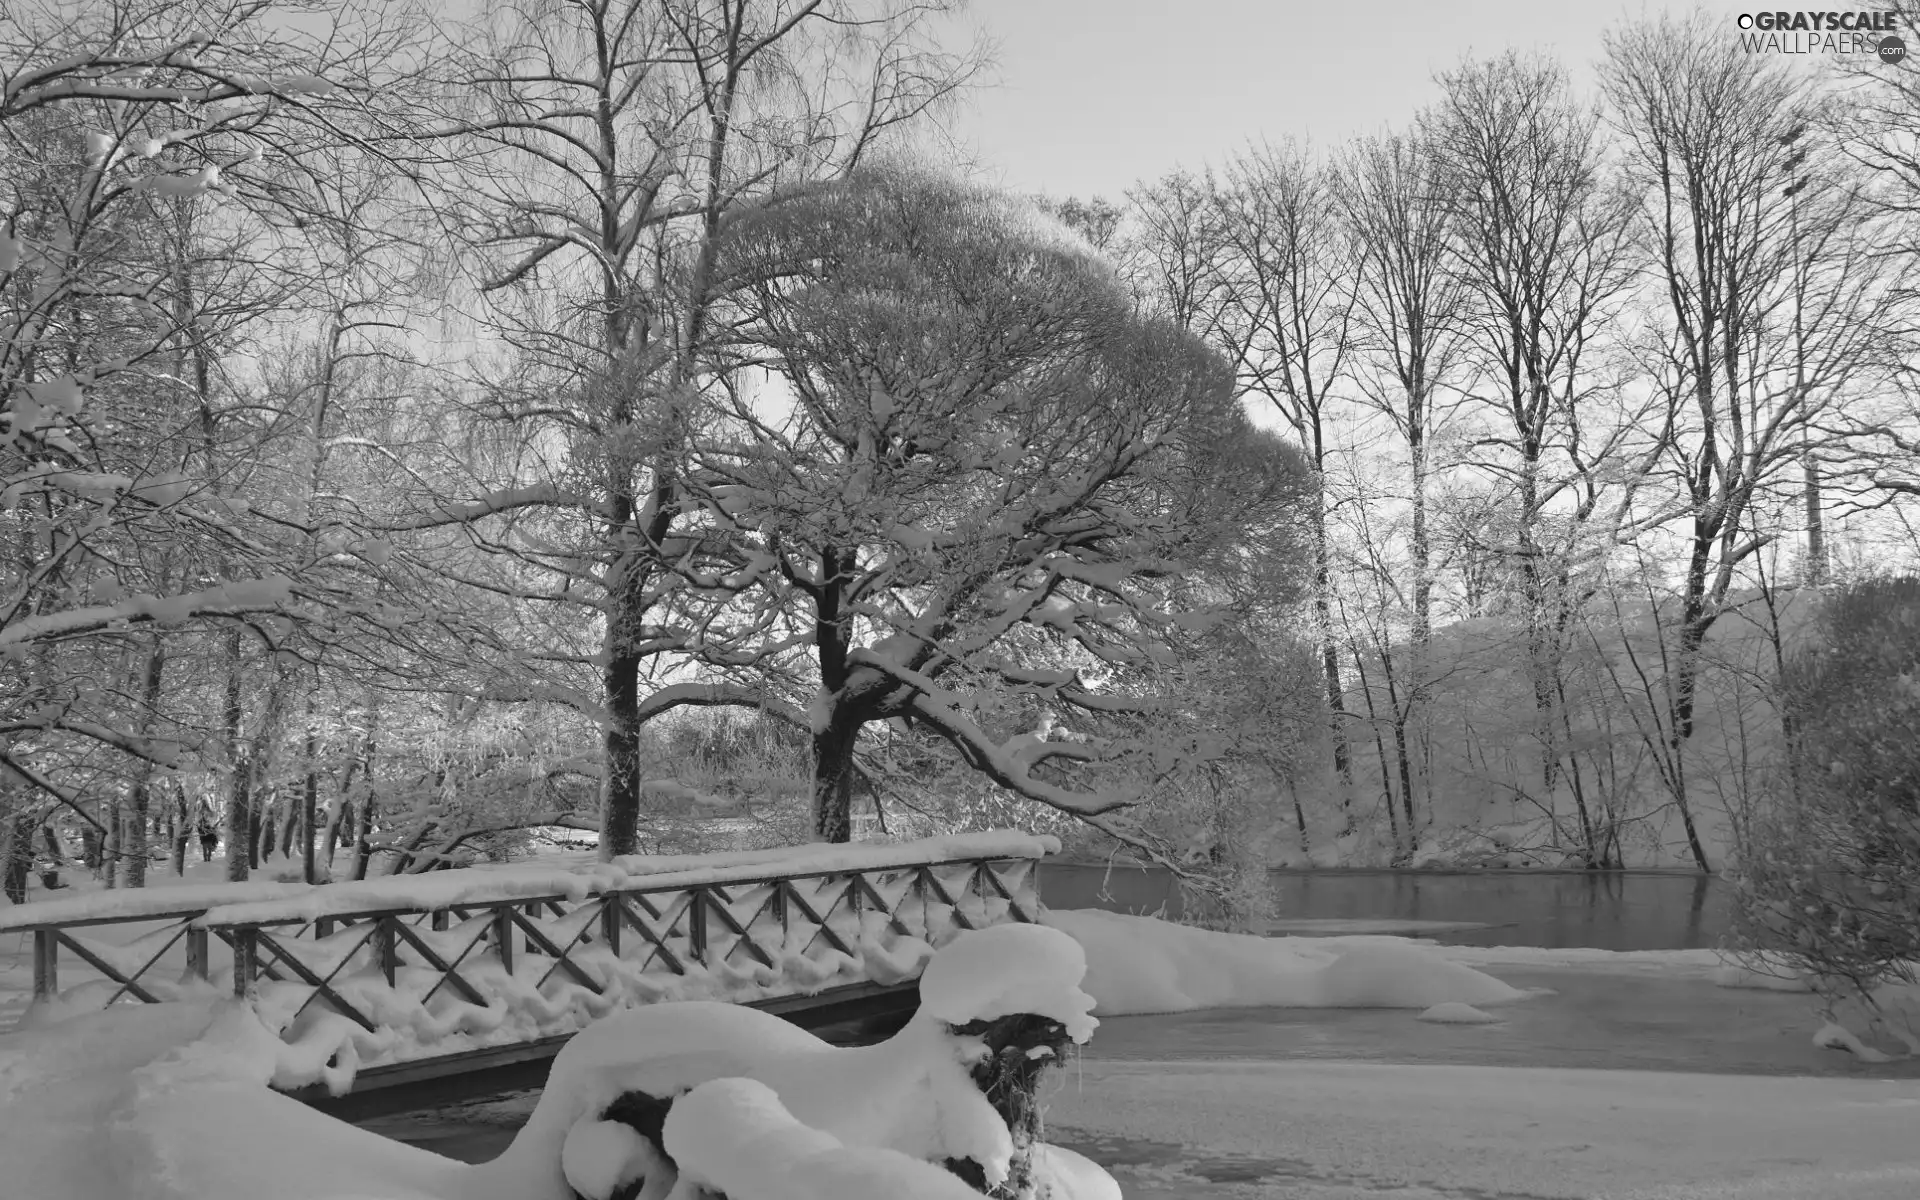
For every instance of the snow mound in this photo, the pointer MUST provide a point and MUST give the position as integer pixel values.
(600, 1157)
(1455, 1013)
(1069, 1176)
(1834, 1036)
(735, 1137)
(1004, 969)
(1146, 965)
(1390, 975)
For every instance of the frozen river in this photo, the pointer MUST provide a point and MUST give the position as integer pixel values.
(1624, 1081)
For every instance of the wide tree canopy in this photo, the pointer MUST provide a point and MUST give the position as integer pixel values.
(996, 496)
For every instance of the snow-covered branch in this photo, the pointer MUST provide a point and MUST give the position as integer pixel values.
(545, 495)
(272, 594)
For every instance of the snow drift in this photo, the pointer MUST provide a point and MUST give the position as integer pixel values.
(1146, 965)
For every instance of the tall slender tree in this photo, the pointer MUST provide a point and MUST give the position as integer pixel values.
(1289, 283)
(1772, 290)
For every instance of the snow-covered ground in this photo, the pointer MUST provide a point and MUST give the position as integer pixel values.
(170, 1101)
(1144, 965)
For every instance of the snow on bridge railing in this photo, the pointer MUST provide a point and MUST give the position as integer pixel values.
(399, 968)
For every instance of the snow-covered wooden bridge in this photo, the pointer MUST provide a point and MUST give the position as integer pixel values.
(393, 982)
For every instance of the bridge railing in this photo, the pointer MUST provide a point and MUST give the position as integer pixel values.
(459, 959)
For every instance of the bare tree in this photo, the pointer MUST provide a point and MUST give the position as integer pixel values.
(1174, 254)
(1408, 309)
(1289, 286)
(1772, 291)
(1540, 233)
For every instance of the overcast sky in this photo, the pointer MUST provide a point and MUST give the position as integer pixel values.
(1096, 94)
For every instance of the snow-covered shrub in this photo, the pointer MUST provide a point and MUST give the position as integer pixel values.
(1830, 876)
(733, 1099)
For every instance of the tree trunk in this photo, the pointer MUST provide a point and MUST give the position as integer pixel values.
(239, 815)
(1686, 668)
(308, 800)
(1380, 749)
(133, 837)
(363, 833)
(833, 744)
(833, 781)
(339, 814)
(139, 802)
(56, 854)
(183, 828)
(1330, 664)
(620, 798)
(289, 825)
(1420, 545)
(110, 852)
(1816, 571)
(362, 809)
(16, 857)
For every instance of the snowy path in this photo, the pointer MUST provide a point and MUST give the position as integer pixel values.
(1348, 1131)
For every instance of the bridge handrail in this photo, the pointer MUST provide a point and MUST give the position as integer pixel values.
(477, 886)
(671, 922)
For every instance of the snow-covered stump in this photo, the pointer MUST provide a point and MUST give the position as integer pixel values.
(1021, 1047)
(1010, 996)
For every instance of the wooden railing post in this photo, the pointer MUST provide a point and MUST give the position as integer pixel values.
(196, 953)
(46, 963)
(697, 925)
(437, 921)
(383, 947)
(503, 935)
(246, 960)
(610, 903)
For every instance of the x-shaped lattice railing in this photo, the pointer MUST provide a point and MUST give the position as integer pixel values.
(677, 926)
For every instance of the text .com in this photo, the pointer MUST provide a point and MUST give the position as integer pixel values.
(1865, 33)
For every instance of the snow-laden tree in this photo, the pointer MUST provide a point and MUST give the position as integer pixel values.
(149, 161)
(998, 495)
(604, 152)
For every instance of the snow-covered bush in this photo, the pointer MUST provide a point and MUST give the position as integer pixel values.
(695, 1095)
(1830, 876)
